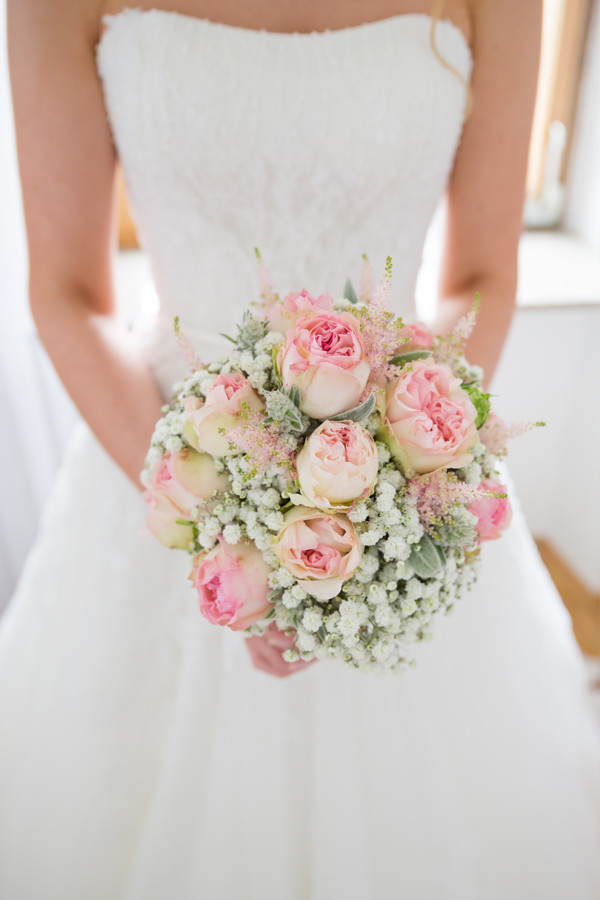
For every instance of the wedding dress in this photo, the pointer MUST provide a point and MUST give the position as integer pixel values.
(142, 756)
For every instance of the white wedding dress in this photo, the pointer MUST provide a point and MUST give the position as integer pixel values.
(142, 756)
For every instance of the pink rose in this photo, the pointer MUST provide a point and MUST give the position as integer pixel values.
(324, 357)
(320, 550)
(212, 420)
(180, 482)
(336, 466)
(493, 513)
(232, 584)
(284, 314)
(429, 419)
(419, 338)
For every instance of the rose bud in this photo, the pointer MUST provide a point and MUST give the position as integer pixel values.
(284, 314)
(220, 412)
(320, 550)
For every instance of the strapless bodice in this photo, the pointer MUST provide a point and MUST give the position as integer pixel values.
(315, 148)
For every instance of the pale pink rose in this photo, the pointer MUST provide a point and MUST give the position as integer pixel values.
(162, 521)
(324, 357)
(284, 314)
(419, 338)
(494, 514)
(429, 419)
(180, 482)
(232, 584)
(320, 550)
(211, 420)
(337, 466)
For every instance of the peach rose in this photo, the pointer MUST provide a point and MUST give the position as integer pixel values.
(337, 466)
(284, 314)
(429, 419)
(324, 357)
(493, 514)
(320, 550)
(210, 421)
(180, 482)
(232, 584)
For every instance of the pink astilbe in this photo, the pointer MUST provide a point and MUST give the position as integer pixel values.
(449, 346)
(365, 292)
(436, 493)
(495, 434)
(381, 333)
(189, 354)
(261, 443)
(268, 295)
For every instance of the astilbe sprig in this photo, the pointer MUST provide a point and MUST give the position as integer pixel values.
(365, 289)
(193, 362)
(268, 294)
(381, 333)
(495, 434)
(437, 493)
(449, 347)
(261, 442)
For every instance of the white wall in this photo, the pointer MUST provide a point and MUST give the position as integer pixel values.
(550, 372)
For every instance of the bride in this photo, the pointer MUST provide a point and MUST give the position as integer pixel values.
(145, 754)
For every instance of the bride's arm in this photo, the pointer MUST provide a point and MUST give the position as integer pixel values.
(67, 165)
(486, 188)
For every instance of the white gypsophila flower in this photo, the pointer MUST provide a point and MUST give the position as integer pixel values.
(350, 640)
(395, 547)
(298, 592)
(391, 517)
(211, 526)
(271, 498)
(289, 601)
(429, 603)
(383, 454)
(404, 570)
(408, 607)
(372, 536)
(283, 578)
(237, 487)
(246, 360)
(331, 622)
(291, 655)
(312, 618)
(359, 513)
(263, 542)
(383, 615)
(274, 520)
(413, 589)
(206, 541)
(305, 642)
(258, 380)
(381, 650)
(385, 502)
(284, 618)
(232, 534)
(263, 360)
(377, 593)
(472, 473)
(174, 443)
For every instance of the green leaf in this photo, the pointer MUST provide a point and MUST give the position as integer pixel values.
(427, 557)
(409, 356)
(349, 292)
(479, 399)
(233, 340)
(357, 412)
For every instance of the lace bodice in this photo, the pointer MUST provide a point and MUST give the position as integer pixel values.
(315, 148)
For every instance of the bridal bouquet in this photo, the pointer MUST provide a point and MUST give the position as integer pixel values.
(335, 474)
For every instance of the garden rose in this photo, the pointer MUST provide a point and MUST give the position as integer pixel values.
(324, 357)
(161, 521)
(180, 482)
(232, 584)
(429, 419)
(419, 338)
(320, 550)
(283, 314)
(337, 466)
(210, 421)
(493, 514)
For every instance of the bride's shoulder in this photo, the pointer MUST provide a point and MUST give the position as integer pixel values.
(58, 25)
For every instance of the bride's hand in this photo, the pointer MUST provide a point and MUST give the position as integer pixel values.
(266, 652)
